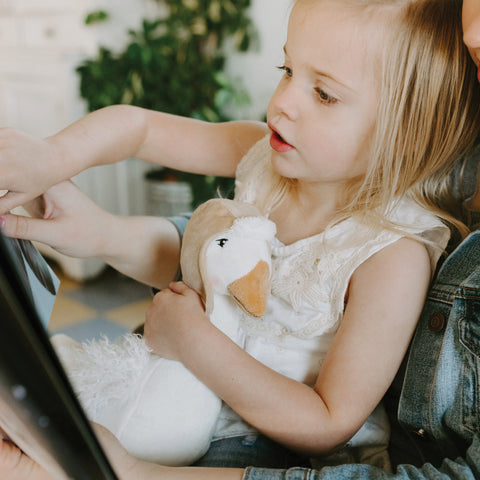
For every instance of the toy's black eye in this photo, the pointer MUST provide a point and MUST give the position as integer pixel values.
(221, 242)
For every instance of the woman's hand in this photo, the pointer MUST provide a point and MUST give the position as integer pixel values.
(63, 218)
(175, 317)
(15, 465)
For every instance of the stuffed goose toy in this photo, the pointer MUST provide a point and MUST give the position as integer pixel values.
(156, 408)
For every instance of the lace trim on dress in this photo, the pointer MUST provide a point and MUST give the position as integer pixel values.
(273, 331)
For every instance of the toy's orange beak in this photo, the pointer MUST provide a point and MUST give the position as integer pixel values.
(251, 291)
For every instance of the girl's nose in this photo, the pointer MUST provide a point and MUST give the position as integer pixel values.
(471, 32)
(285, 101)
(471, 37)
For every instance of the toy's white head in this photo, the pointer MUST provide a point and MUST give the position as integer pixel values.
(238, 263)
(226, 250)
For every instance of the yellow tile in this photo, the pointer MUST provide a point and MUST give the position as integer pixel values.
(67, 312)
(131, 315)
(67, 284)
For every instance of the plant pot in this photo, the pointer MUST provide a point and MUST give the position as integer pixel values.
(166, 198)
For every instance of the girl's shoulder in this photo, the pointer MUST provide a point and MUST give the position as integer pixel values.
(410, 219)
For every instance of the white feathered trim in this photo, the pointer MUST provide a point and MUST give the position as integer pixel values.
(102, 371)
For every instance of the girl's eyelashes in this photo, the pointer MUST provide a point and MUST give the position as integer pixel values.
(286, 70)
(324, 97)
(320, 93)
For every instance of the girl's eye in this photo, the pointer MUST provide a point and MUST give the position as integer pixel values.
(325, 97)
(287, 70)
(221, 242)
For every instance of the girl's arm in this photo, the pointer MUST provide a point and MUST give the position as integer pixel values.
(386, 296)
(30, 166)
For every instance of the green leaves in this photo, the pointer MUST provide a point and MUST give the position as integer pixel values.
(96, 17)
(174, 64)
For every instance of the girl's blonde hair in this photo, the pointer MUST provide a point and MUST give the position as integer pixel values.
(428, 113)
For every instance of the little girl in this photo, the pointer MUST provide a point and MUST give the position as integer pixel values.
(377, 102)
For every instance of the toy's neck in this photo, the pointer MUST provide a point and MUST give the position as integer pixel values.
(226, 317)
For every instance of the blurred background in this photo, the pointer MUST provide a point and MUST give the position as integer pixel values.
(211, 59)
(59, 59)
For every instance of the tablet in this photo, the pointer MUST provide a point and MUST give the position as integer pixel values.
(39, 411)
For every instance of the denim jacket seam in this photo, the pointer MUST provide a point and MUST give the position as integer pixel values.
(464, 419)
(441, 300)
(441, 295)
(447, 297)
(471, 296)
(472, 344)
(430, 423)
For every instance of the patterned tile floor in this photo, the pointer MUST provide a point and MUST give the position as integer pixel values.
(109, 305)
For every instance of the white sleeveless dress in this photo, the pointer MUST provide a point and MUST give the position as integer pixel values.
(309, 284)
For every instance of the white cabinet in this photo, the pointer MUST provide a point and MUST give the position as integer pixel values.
(41, 44)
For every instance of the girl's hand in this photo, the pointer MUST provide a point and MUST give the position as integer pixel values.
(29, 167)
(63, 218)
(175, 317)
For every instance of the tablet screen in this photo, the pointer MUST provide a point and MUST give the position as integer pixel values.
(38, 409)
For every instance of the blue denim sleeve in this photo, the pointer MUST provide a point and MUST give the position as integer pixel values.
(464, 177)
(180, 222)
(467, 468)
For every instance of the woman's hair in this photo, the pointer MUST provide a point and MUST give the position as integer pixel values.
(428, 112)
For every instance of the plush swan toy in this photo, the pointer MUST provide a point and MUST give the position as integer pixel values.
(157, 409)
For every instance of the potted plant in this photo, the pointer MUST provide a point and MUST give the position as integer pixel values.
(175, 64)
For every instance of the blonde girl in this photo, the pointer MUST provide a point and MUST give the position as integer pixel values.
(377, 103)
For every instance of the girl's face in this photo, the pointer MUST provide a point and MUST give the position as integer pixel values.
(471, 29)
(323, 112)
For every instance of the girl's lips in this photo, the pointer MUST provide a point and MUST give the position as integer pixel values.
(279, 144)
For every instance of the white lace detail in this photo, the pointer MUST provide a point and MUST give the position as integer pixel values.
(300, 279)
(310, 277)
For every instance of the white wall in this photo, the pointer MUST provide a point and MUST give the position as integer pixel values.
(41, 43)
(258, 69)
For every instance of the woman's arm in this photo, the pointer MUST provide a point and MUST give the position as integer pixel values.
(385, 300)
(30, 166)
(144, 248)
(15, 465)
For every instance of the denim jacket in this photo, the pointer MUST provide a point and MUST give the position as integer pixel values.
(434, 403)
